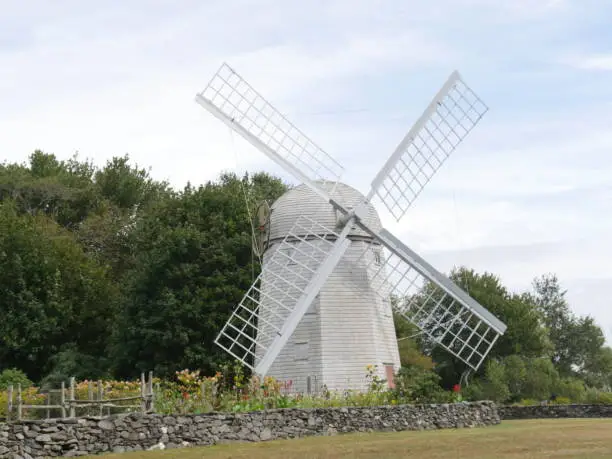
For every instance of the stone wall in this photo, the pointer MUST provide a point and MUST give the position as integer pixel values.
(555, 411)
(74, 437)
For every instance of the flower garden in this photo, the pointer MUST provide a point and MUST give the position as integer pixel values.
(230, 390)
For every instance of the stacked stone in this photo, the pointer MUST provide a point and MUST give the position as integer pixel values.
(132, 432)
(555, 411)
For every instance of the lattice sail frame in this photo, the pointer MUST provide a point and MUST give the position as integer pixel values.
(448, 119)
(263, 312)
(465, 329)
(229, 97)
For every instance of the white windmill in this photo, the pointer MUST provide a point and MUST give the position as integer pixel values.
(320, 310)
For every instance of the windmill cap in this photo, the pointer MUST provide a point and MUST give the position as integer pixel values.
(302, 201)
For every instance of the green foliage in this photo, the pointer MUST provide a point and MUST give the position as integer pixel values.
(495, 386)
(70, 362)
(409, 349)
(598, 372)
(52, 293)
(577, 341)
(515, 372)
(61, 190)
(524, 335)
(231, 390)
(128, 187)
(419, 386)
(107, 272)
(14, 377)
(192, 266)
(540, 379)
(597, 397)
(572, 389)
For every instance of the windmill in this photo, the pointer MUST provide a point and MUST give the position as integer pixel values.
(298, 266)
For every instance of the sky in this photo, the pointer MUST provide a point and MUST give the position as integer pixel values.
(528, 192)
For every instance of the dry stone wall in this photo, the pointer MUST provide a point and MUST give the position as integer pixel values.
(555, 411)
(77, 437)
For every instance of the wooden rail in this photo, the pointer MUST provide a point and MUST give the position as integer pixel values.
(68, 405)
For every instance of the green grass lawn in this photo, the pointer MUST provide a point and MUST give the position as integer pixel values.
(566, 438)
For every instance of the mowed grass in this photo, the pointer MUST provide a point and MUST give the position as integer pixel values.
(563, 438)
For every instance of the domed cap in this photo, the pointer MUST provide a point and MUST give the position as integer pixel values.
(302, 201)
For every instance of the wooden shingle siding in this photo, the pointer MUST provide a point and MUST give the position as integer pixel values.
(349, 326)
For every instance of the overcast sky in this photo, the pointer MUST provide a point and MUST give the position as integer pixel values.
(528, 192)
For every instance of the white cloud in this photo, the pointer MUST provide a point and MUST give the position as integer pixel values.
(119, 77)
(589, 62)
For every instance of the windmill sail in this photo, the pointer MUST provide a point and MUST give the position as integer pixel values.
(235, 102)
(451, 115)
(273, 306)
(434, 303)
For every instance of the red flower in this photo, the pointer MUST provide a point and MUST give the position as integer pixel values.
(185, 395)
(457, 388)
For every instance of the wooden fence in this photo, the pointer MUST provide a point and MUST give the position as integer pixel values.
(69, 406)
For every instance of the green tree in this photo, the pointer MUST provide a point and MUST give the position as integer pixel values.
(61, 190)
(524, 335)
(492, 385)
(53, 295)
(598, 371)
(194, 263)
(541, 379)
(515, 368)
(577, 341)
(409, 349)
(14, 377)
(128, 187)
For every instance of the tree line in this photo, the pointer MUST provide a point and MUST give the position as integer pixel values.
(106, 272)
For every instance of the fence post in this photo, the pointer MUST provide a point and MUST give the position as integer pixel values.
(63, 399)
(48, 403)
(9, 408)
(143, 395)
(100, 396)
(19, 402)
(151, 394)
(72, 399)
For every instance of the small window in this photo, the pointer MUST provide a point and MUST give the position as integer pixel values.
(301, 350)
(377, 258)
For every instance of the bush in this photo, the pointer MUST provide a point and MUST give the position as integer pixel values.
(494, 387)
(562, 401)
(598, 397)
(13, 376)
(541, 379)
(570, 388)
(418, 385)
(473, 391)
(529, 402)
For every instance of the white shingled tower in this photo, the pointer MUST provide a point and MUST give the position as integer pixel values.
(320, 310)
(348, 325)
